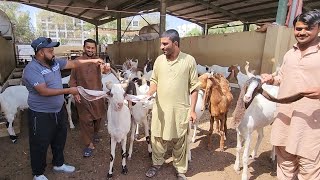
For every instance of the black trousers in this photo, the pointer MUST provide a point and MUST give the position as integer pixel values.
(46, 129)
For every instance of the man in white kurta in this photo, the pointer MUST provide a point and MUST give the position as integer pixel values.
(174, 80)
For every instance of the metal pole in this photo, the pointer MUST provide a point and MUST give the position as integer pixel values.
(294, 7)
(149, 23)
(127, 27)
(119, 27)
(163, 7)
(246, 26)
(97, 34)
(282, 12)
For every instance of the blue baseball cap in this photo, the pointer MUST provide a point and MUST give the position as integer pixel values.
(43, 42)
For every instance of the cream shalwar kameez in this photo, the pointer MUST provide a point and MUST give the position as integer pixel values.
(296, 129)
(175, 81)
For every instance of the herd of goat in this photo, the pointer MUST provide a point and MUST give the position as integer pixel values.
(253, 112)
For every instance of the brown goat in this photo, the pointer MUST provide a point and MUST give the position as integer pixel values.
(218, 89)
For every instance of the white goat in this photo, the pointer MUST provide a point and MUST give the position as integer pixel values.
(12, 99)
(140, 112)
(199, 113)
(257, 115)
(202, 69)
(119, 121)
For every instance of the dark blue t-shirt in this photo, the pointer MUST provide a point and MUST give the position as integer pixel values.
(35, 74)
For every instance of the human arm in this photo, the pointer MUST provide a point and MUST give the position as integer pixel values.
(194, 98)
(152, 89)
(312, 93)
(274, 79)
(76, 63)
(73, 83)
(43, 90)
(153, 80)
(194, 86)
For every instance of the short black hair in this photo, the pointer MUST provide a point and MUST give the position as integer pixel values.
(311, 18)
(173, 35)
(89, 41)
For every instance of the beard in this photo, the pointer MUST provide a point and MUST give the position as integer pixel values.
(89, 54)
(49, 61)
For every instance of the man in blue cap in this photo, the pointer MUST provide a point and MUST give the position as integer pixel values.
(47, 114)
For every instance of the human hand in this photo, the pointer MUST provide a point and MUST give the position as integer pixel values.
(145, 98)
(105, 68)
(97, 61)
(193, 116)
(267, 78)
(77, 98)
(312, 93)
(73, 90)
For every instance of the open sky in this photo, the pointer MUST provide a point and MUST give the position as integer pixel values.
(173, 22)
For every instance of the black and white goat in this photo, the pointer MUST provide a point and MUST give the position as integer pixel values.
(119, 122)
(13, 99)
(255, 110)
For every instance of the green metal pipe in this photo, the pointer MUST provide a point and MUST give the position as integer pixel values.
(282, 12)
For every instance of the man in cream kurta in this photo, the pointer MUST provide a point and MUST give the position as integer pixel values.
(296, 129)
(175, 79)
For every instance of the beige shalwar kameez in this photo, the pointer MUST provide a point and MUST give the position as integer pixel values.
(175, 81)
(296, 129)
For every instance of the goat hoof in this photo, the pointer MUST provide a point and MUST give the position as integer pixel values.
(150, 154)
(109, 176)
(14, 139)
(129, 158)
(124, 170)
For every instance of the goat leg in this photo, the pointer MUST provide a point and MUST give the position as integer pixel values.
(133, 130)
(124, 156)
(210, 146)
(112, 156)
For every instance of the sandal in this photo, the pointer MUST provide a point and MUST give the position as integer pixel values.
(87, 152)
(152, 171)
(181, 176)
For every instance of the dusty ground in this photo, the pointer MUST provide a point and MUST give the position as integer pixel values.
(15, 162)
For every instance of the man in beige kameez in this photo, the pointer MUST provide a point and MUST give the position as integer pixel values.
(173, 79)
(296, 129)
(90, 112)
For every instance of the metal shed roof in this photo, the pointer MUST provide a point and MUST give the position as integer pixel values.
(201, 12)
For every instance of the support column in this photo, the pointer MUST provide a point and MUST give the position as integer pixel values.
(119, 27)
(292, 15)
(163, 7)
(205, 29)
(282, 12)
(246, 27)
(97, 34)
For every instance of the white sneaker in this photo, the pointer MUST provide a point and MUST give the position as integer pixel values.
(41, 177)
(64, 168)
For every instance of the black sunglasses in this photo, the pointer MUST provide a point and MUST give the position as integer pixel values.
(47, 40)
